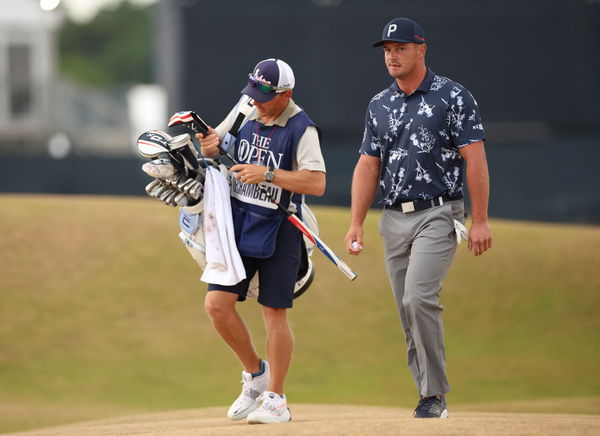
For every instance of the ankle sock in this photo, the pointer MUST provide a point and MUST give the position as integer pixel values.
(260, 371)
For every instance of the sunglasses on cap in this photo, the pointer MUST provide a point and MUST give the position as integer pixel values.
(263, 86)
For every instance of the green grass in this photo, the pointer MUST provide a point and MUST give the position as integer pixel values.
(101, 310)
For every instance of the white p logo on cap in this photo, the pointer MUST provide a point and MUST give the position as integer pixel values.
(391, 29)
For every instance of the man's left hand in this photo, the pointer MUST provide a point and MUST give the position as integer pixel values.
(480, 237)
(249, 174)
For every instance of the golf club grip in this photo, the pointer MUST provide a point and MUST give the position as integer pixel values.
(343, 267)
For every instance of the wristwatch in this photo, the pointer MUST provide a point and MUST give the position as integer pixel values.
(270, 174)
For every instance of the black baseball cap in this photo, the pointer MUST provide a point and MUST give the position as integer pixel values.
(402, 30)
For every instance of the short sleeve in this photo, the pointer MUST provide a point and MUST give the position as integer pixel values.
(371, 145)
(308, 153)
(465, 120)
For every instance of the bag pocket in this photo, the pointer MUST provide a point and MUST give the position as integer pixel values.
(256, 233)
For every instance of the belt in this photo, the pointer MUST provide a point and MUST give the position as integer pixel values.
(416, 205)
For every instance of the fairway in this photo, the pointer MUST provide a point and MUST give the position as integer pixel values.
(102, 316)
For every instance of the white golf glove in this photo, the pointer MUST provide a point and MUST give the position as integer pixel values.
(461, 231)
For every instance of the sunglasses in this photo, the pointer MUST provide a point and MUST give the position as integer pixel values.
(263, 86)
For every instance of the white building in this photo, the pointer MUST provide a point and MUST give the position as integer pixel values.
(27, 73)
(43, 113)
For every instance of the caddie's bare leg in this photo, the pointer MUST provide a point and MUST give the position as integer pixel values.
(220, 307)
(280, 346)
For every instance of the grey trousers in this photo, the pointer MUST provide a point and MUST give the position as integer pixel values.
(419, 248)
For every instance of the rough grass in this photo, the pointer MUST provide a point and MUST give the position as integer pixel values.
(101, 310)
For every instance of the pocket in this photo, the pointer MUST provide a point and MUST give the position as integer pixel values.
(256, 233)
(447, 214)
(458, 211)
(189, 222)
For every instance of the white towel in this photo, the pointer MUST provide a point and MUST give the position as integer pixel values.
(461, 232)
(223, 262)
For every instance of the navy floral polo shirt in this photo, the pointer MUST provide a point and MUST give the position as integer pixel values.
(417, 138)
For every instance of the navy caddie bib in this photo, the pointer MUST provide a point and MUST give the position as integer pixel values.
(256, 218)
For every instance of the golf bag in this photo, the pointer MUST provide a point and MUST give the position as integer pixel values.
(179, 181)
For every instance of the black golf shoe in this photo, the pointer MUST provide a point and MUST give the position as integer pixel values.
(430, 407)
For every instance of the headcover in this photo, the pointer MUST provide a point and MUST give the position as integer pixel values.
(189, 119)
(153, 143)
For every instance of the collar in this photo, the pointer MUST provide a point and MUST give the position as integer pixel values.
(290, 110)
(425, 85)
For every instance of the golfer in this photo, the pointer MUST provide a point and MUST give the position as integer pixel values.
(418, 134)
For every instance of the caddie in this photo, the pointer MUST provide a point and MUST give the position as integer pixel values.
(278, 147)
(418, 134)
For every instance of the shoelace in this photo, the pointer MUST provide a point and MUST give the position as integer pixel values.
(271, 403)
(247, 389)
(426, 403)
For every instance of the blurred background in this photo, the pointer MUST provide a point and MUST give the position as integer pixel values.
(101, 306)
(80, 80)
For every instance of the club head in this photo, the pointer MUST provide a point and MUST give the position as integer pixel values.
(185, 184)
(192, 185)
(153, 143)
(150, 187)
(182, 199)
(163, 196)
(173, 181)
(170, 200)
(160, 168)
(197, 191)
(160, 190)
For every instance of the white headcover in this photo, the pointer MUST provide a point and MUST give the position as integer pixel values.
(152, 143)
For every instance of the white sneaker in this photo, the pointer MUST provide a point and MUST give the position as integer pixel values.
(273, 409)
(250, 395)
